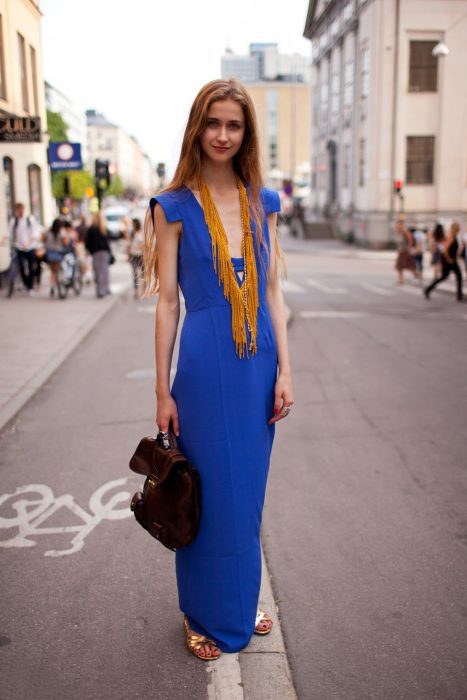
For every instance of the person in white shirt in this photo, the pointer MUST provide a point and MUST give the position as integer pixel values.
(25, 238)
(419, 240)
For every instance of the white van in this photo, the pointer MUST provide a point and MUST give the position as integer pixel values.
(113, 219)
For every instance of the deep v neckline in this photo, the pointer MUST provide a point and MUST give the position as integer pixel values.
(233, 258)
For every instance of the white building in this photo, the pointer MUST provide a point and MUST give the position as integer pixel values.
(74, 118)
(107, 141)
(24, 171)
(385, 109)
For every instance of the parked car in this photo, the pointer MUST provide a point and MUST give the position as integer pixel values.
(113, 219)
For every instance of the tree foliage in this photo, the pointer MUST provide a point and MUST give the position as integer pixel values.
(116, 188)
(56, 126)
(79, 181)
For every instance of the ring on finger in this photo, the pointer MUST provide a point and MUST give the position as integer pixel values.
(286, 410)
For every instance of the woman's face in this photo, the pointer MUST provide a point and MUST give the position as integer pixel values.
(223, 135)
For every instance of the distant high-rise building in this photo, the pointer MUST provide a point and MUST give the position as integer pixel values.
(264, 62)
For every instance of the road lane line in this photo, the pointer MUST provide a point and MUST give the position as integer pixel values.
(324, 288)
(290, 287)
(377, 290)
(332, 314)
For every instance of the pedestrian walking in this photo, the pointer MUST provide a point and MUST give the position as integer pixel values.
(135, 254)
(463, 251)
(449, 262)
(419, 247)
(233, 378)
(404, 260)
(25, 237)
(437, 238)
(97, 243)
(54, 252)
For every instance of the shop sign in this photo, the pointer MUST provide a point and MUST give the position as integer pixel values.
(20, 129)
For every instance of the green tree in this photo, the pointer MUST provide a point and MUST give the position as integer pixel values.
(56, 126)
(117, 188)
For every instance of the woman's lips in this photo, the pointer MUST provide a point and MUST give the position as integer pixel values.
(221, 149)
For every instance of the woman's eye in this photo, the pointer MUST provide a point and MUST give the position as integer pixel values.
(234, 126)
(212, 122)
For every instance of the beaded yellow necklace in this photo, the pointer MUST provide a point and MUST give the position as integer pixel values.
(243, 299)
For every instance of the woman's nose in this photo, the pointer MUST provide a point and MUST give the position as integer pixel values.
(222, 135)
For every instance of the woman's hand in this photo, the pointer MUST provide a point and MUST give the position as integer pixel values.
(283, 397)
(167, 412)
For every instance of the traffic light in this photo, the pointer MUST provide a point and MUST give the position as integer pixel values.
(102, 172)
(397, 186)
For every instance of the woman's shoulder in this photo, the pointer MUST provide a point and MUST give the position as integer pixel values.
(172, 203)
(271, 200)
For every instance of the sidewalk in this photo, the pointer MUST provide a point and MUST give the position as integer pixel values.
(38, 334)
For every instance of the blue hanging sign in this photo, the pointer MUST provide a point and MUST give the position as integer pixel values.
(65, 156)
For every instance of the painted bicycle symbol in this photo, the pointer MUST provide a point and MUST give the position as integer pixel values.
(35, 503)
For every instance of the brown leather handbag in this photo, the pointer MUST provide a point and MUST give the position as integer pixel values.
(169, 507)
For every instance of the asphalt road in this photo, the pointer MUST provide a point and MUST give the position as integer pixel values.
(102, 621)
(365, 527)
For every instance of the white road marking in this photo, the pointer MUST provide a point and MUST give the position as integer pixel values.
(35, 503)
(332, 314)
(324, 288)
(411, 290)
(290, 287)
(377, 290)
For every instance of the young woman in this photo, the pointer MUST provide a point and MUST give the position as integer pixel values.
(97, 243)
(213, 232)
(449, 262)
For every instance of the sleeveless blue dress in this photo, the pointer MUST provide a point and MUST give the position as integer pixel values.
(224, 404)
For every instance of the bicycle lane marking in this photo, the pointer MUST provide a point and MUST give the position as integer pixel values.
(32, 512)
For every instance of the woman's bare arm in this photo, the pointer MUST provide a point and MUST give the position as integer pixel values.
(167, 316)
(283, 390)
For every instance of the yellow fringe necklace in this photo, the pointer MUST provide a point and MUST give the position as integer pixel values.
(244, 298)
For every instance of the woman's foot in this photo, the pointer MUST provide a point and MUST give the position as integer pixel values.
(199, 645)
(263, 623)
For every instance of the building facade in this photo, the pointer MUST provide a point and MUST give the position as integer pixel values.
(24, 172)
(283, 114)
(385, 109)
(74, 118)
(107, 141)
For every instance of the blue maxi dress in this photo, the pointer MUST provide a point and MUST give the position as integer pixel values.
(224, 404)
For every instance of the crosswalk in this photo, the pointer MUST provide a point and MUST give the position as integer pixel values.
(358, 288)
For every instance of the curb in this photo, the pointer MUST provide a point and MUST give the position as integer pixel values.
(261, 671)
(34, 383)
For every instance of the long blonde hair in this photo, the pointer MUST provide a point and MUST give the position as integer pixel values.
(246, 163)
(98, 221)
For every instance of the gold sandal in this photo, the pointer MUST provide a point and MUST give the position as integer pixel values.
(262, 616)
(195, 642)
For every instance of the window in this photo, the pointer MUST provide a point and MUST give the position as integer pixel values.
(346, 166)
(348, 84)
(272, 127)
(365, 71)
(335, 93)
(423, 67)
(361, 162)
(35, 192)
(348, 11)
(9, 180)
(2, 64)
(32, 53)
(420, 160)
(23, 71)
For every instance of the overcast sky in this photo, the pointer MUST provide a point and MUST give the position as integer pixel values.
(142, 62)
